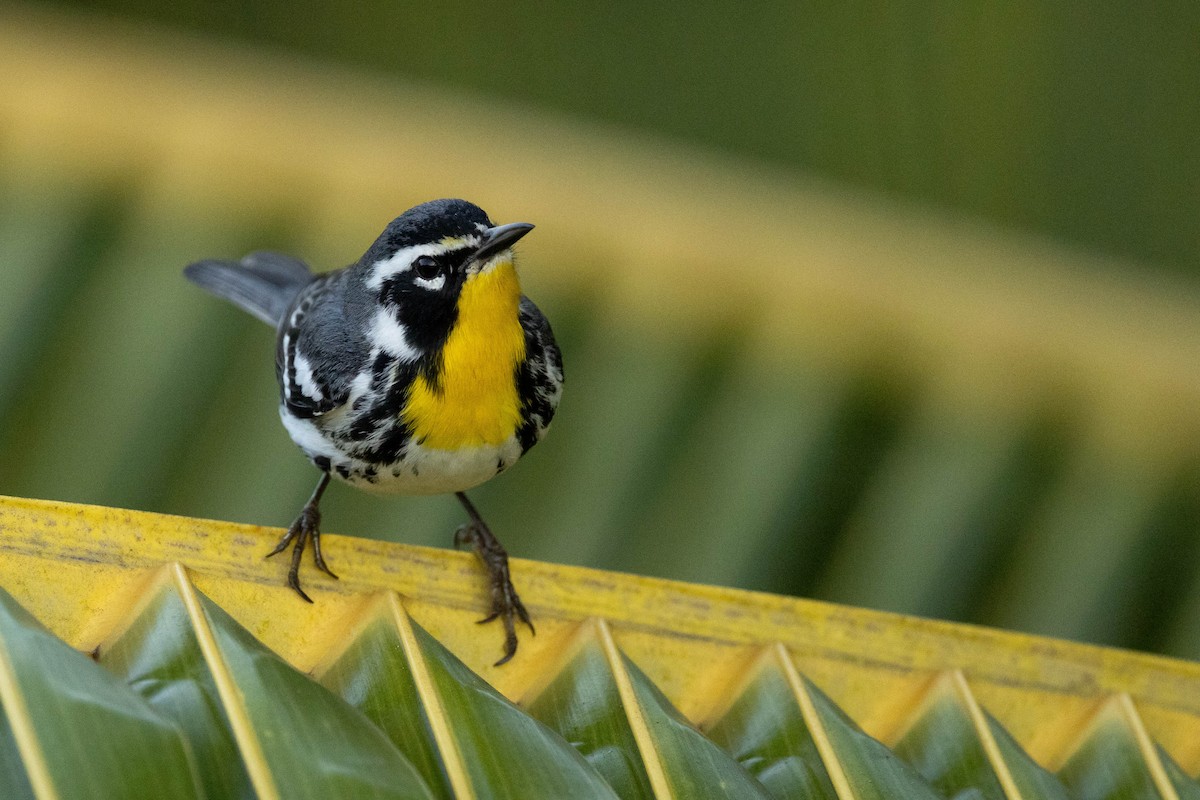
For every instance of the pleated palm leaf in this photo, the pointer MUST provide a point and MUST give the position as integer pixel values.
(125, 674)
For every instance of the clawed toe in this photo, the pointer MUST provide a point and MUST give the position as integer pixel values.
(306, 527)
(508, 608)
(284, 540)
(318, 558)
(294, 582)
(466, 536)
(506, 604)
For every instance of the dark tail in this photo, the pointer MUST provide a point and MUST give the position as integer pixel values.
(263, 284)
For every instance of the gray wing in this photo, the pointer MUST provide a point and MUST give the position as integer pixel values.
(540, 378)
(263, 284)
(320, 350)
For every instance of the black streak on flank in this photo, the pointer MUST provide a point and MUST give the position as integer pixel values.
(392, 446)
(381, 371)
(527, 391)
(533, 387)
(385, 376)
(534, 384)
(384, 414)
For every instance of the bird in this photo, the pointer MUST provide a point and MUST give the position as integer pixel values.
(420, 369)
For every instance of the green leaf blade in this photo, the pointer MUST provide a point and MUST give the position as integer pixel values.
(693, 765)
(943, 746)
(315, 745)
(1185, 786)
(872, 771)
(507, 753)
(367, 676)
(97, 737)
(159, 657)
(14, 782)
(1033, 781)
(1108, 763)
(583, 704)
(765, 732)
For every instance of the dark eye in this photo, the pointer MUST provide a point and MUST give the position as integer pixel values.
(427, 267)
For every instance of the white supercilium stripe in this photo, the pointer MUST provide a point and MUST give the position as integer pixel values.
(402, 259)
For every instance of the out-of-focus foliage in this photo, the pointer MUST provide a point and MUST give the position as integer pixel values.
(1076, 119)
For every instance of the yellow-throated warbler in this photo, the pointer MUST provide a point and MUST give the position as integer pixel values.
(421, 369)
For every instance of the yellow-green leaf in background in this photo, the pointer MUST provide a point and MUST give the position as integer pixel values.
(81, 732)
(466, 738)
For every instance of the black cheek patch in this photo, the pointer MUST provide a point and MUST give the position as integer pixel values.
(427, 322)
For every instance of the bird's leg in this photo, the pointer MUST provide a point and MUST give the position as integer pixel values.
(307, 526)
(505, 603)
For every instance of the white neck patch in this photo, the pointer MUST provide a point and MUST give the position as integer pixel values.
(389, 335)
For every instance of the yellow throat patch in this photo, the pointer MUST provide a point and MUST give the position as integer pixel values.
(476, 402)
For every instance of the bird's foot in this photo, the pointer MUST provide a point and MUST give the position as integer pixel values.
(506, 604)
(306, 527)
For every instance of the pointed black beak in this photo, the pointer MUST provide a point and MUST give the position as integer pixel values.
(500, 238)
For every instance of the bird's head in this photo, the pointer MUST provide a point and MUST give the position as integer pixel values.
(427, 262)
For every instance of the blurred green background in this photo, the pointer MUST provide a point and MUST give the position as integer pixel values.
(894, 304)
(1076, 119)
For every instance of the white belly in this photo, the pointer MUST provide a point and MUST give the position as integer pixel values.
(419, 470)
(424, 470)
